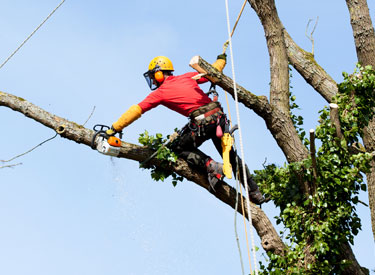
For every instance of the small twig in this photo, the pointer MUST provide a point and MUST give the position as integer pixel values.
(357, 148)
(92, 112)
(314, 163)
(310, 37)
(10, 165)
(40, 144)
(365, 204)
(312, 153)
(59, 131)
(264, 163)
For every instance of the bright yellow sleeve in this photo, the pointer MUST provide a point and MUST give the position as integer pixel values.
(132, 114)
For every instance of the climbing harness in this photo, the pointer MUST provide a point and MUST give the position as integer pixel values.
(212, 90)
(24, 42)
(226, 137)
(208, 114)
(240, 137)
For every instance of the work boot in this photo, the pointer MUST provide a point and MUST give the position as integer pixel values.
(215, 173)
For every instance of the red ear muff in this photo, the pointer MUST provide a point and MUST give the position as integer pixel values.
(159, 76)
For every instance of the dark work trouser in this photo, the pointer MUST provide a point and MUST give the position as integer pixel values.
(191, 138)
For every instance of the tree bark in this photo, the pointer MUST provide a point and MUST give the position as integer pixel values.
(364, 37)
(354, 267)
(363, 31)
(273, 29)
(280, 126)
(72, 131)
(278, 123)
(275, 112)
(267, 13)
(309, 69)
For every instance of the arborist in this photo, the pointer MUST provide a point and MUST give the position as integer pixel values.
(182, 94)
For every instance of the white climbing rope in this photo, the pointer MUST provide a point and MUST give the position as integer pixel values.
(241, 141)
(24, 42)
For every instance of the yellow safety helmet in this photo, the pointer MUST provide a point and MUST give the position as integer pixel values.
(155, 76)
(163, 62)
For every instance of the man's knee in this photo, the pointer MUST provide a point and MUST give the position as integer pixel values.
(196, 159)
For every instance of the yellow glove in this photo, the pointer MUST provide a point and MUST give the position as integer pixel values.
(132, 114)
(220, 62)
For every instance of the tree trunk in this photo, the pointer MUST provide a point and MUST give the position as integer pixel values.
(354, 267)
(273, 29)
(282, 132)
(363, 31)
(364, 37)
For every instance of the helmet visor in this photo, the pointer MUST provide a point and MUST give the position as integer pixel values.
(149, 76)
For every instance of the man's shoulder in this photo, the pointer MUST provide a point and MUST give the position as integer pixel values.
(189, 74)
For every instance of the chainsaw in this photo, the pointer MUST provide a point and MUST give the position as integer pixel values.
(105, 144)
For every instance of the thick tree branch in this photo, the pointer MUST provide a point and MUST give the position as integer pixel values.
(335, 119)
(309, 69)
(72, 131)
(313, 159)
(364, 38)
(354, 267)
(363, 31)
(304, 62)
(279, 124)
(273, 29)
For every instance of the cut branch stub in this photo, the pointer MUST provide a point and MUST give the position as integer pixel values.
(334, 113)
(313, 159)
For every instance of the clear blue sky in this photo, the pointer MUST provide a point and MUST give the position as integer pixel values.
(70, 210)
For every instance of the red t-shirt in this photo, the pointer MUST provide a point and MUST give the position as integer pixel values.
(179, 93)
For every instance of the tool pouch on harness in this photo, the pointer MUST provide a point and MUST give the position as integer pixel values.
(205, 117)
(206, 114)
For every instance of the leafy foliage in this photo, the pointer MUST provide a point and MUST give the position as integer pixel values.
(164, 154)
(320, 222)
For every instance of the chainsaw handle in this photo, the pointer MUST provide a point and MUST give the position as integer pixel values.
(94, 137)
(103, 128)
(99, 129)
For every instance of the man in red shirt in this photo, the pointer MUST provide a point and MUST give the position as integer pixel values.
(182, 94)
